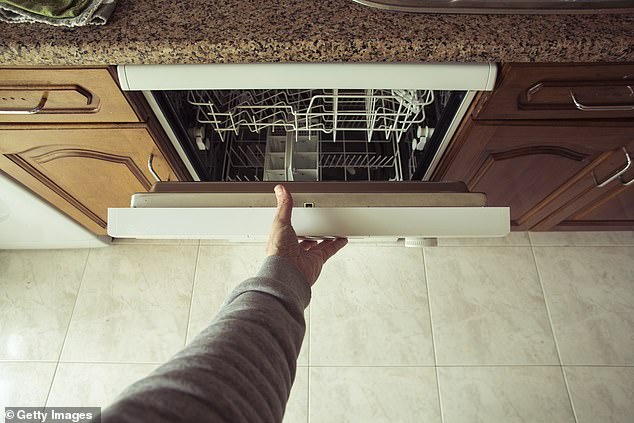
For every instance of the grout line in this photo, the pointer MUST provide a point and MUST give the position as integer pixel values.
(581, 245)
(599, 365)
(368, 366)
(70, 320)
(552, 328)
(480, 246)
(431, 328)
(191, 298)
(404, 366)
(114, 362)
(166, 242)
(427, 366)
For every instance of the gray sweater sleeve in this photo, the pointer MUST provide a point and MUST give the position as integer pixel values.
(239, 369)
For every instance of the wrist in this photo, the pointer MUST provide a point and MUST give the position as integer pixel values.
(285, 270)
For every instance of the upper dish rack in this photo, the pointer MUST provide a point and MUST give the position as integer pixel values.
(379, 113)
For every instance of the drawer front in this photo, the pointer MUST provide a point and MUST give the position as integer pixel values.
(561, 92)
(62, 96)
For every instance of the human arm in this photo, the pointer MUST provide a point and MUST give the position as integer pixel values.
(241, 368)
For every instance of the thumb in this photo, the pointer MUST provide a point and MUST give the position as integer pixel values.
(284, 205)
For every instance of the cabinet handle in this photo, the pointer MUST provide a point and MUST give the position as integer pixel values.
(91, 106)
(32, 111)
(626, 183)
(604, 108)
(618, 173)
(151, 168)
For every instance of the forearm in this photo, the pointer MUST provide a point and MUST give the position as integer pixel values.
(239, 369)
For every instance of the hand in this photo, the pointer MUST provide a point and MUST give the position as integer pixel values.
(308, 256)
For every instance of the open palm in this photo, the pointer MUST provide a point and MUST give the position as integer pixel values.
(308, 256)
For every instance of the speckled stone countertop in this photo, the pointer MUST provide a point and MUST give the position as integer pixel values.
(215, 31)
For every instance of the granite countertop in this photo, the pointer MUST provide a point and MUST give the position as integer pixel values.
(217, 31)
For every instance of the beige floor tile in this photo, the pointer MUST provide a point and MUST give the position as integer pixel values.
(93, 385)
(518, 239)
(602, 394)
(219, 270)
(238, 242)
(134, 241)
(487, 307)
(24, 384)
(370, 307)
(504, 394)
(373, 394)
(39, 289)
(98, 385)
(133, 304)
(297, 406)
(590, 294)
(563, 239)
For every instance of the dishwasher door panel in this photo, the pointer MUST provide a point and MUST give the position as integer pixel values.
(321, 210)
(353, 222)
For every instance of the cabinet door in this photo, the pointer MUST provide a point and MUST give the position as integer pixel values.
(49, 95)
(83, 171)
(547, 91)
(603, 198)
(529, 166)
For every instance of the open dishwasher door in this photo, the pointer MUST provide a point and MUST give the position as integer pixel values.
(242, 211)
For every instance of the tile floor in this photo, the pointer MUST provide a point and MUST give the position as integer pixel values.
(529, 328)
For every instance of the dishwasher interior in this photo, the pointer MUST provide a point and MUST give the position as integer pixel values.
(252, 135)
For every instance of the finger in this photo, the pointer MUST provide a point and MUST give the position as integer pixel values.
(330, 248)
(284, 205)
(307, 244)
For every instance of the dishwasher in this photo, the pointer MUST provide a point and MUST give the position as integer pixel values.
(354, 143)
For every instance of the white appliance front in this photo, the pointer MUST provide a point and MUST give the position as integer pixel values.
(429, 76)
(225, 221)
(353, 222)
(321, 210)
(27, 222)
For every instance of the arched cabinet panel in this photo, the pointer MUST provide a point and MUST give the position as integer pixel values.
(534, 168)
(83, 171)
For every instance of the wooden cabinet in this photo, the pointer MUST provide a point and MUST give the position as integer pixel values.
(527, 166)
(90, 169)
(564, 172)
(74, 95)
(604, 198)
(563, 91)
(613, 210)
(91, 151)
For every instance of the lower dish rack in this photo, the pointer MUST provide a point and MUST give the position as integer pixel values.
(287, 157)
(310, 135)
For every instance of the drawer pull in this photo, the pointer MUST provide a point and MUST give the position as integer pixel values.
(31, 111)
(605, 108)
(91, 106)
(626, 183)
(618, 173)
(151, 168)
